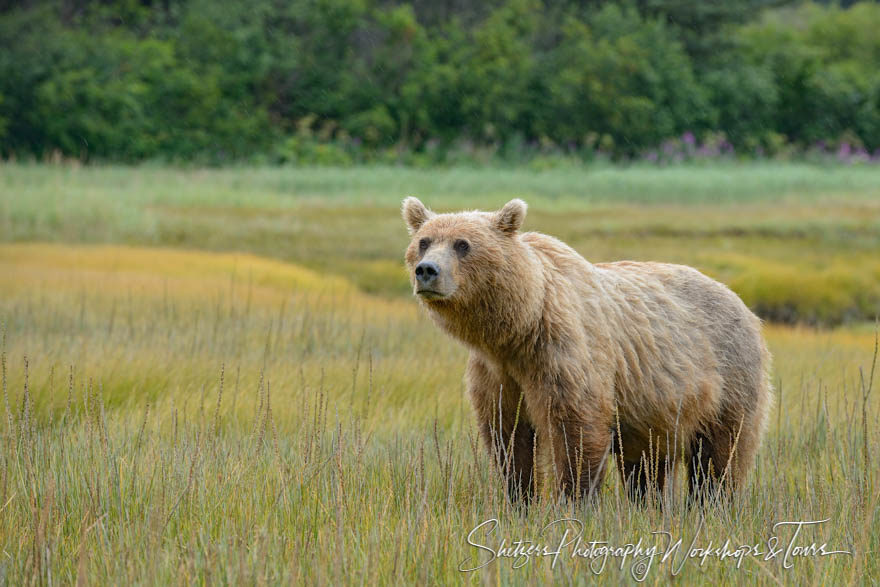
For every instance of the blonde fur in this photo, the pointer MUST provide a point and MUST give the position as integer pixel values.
(607, 360)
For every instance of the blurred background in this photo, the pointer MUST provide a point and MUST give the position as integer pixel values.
(438, 81)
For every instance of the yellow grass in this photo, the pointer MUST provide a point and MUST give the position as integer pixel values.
(340, 447)
(124, 315)
(178, 315)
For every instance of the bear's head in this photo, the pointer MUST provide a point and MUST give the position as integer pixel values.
(459, 258)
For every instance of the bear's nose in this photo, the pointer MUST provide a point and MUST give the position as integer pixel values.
(427, 272)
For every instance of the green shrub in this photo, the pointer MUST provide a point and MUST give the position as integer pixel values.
(623, 77)
(211, 82)
(826, 67)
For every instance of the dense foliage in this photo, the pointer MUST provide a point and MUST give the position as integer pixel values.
(336, 81)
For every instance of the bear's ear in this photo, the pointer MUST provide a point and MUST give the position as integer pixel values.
(415, 214)
(511, 216)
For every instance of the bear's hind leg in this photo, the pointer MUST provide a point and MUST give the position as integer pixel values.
(703, 469)
(720, 459)
(710, 466)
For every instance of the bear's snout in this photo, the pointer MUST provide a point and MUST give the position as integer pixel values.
(426, 273)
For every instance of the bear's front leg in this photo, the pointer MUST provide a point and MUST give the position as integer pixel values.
(509, 437)
(580, 449)
(574, 419)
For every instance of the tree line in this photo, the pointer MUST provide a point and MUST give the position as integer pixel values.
(344, 80)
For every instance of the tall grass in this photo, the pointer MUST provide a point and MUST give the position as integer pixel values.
(180, 417)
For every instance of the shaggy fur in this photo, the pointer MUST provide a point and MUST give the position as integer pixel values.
(623, 361)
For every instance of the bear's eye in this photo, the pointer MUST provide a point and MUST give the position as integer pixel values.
(424, 244)
(462, 247)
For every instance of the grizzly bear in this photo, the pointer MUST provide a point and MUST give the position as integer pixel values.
(573, 363)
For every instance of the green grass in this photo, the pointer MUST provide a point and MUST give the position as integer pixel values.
(814, 232)
(178, 409)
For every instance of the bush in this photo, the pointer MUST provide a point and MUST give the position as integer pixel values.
(621, 76)
(115, 96)
(825, 63)
(211, 82)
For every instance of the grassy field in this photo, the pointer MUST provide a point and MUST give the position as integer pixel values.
(798, 243)
(217, 376)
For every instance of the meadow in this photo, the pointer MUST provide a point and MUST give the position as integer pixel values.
(218, 376)
(797, 242)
